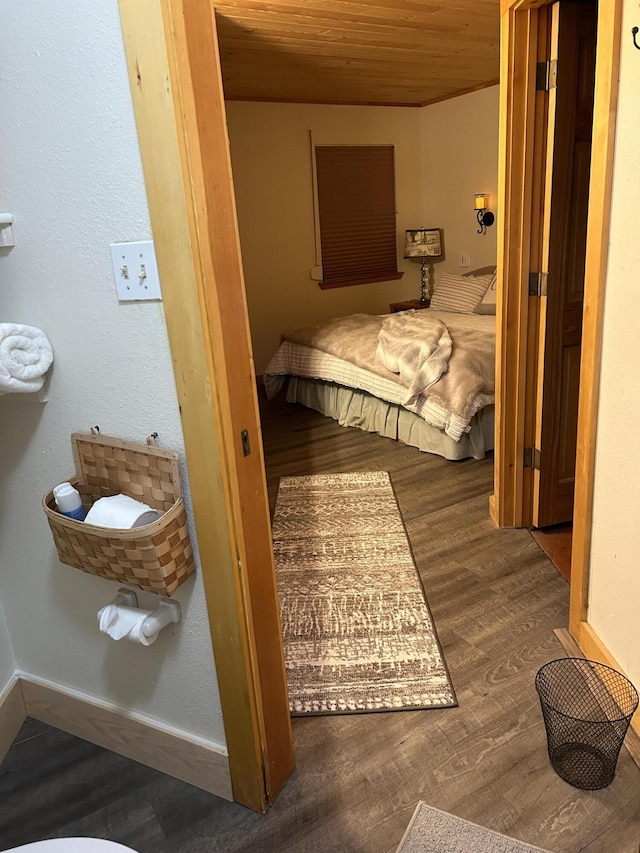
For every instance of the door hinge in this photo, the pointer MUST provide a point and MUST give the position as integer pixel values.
(538, 283)
(546, 75)
(532, 458)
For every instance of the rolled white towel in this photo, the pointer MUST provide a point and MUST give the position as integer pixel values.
(25, 357)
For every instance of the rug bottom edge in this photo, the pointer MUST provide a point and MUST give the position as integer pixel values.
(372, 710)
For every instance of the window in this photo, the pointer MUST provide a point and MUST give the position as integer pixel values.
(357, 214)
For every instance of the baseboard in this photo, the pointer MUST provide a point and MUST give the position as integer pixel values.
(12, 715)
(591, 647)
(167, 750)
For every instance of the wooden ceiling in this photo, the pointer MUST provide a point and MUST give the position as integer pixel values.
(389, 52)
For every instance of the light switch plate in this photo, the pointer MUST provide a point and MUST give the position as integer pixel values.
(136, 271)
(464, 260)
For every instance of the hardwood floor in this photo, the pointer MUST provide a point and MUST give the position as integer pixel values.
(556, 544)
(496, 600)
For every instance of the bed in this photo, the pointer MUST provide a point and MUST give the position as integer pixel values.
(425, 378)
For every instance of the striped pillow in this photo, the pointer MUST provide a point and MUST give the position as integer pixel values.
(488, 303)
(459, 293)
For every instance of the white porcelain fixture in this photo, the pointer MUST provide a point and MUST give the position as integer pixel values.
(73, 845)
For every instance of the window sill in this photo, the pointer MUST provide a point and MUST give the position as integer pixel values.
(327, 285)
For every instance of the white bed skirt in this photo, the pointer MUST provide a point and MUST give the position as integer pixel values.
(358, 409)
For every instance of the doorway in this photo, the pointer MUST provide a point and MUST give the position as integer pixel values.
(520, 150)
(566, 81)
(175, 41)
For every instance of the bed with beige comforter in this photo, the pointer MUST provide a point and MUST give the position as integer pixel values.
(436, 366)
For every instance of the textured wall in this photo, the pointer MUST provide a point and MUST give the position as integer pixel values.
(71, 175)
(272, 174)
(460, 158)
(614, 595)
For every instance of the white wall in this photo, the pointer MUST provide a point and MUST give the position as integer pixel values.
(71, 175)
(614, 594)
(7, 661)
(272, 173)
(460, 158)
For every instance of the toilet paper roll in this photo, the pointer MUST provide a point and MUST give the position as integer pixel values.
(122, 512)
(121, 622)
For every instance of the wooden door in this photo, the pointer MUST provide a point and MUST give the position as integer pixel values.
(571, 78)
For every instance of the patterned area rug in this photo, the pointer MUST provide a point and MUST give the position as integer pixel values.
(358, 635)
(433, 831)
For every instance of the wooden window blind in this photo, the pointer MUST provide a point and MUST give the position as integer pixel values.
(357, 214)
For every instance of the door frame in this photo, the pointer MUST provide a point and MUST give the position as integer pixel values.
(521, 153)
(173, 62)
(176, 85)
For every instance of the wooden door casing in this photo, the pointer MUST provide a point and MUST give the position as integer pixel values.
(174, 73)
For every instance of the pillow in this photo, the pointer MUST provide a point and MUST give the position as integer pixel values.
(459, 293)
(488, 303)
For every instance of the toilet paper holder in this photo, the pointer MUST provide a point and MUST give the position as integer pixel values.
(168, 611)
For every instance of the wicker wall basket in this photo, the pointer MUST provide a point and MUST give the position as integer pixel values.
(157, 557)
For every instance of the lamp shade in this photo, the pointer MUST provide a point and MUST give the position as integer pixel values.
(481, 201)
(422, 243)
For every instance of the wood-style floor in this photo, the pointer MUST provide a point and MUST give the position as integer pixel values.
(495, 598)
(556, 543)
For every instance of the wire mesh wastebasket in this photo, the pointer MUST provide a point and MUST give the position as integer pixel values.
(587, 708)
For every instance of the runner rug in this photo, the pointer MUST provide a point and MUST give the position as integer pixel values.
(433, 831)
(358, 634)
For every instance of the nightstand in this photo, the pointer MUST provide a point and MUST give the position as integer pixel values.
(407, 306)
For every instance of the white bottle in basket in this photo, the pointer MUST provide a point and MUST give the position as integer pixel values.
(68, 501)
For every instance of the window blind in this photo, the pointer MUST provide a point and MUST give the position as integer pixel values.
(357, 215)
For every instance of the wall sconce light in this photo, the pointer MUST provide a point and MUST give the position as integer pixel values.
(485, 217)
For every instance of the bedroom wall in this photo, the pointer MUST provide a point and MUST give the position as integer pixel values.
(614, 591)
(271, 161)
(71, 175)
(460, 158)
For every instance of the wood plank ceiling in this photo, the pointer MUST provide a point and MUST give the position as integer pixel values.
(389, 52)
